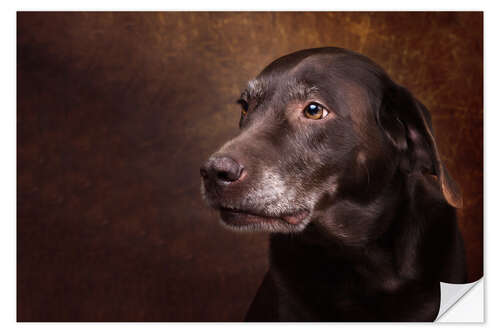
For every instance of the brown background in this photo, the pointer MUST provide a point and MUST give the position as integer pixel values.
(116, 111)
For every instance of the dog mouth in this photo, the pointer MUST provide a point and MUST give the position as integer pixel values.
(237, 217)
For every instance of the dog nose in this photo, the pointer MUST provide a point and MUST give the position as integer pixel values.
(221, 169)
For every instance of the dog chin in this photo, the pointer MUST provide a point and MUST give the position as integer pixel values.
(241, 220)
(236, 220)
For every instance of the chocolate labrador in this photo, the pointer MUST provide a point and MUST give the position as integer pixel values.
(339, 164)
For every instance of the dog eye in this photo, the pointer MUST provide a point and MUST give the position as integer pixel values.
(315, 111)
(244, 107)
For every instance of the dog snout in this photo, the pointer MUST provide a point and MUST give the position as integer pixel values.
(223, 170)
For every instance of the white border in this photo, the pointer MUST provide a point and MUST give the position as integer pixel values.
(260, 5)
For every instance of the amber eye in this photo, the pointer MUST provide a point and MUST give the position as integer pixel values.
(244, 107)
(315, 111)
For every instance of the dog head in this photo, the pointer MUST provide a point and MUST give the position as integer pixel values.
(319, 126)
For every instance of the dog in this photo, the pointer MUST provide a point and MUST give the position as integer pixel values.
(339, 164)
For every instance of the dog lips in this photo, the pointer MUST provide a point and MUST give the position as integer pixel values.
(296, 218)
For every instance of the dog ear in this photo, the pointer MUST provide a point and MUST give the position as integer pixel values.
(407, 124)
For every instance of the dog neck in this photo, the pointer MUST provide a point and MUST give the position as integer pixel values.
(383, 230)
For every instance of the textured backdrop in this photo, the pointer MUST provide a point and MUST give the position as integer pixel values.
(116, 112)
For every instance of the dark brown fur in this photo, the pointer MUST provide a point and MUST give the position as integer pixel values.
(375, 206)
